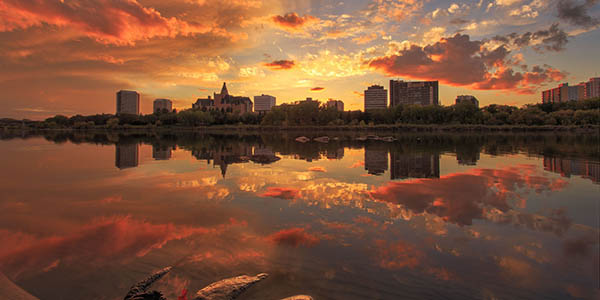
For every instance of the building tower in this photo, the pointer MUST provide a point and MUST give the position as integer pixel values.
(128, 102)
(375, 98)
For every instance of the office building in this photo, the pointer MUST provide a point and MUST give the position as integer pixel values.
(264, 103)
(415, 92)
(467, 98)
(337, 104)
(162, 106)
(126, 156)
(128, 102)
(375, 98)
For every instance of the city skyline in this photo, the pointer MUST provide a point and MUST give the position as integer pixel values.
(66, 58)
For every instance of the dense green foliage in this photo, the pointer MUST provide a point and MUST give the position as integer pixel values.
(586, 112)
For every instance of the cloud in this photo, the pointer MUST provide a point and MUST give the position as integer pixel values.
(317, 89)
(577, 14)
(281, 192)
(459, 61)
(281, 64)
(398, 10)
(317, 169)
(551, 39)
(293, 22)
(363, 39)
(293, 237)
(490, 190)
(102, 241)
(118, 22)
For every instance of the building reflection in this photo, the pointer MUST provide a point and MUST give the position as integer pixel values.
(225, 155)
(376, 159)
(567, 167)
(161, 152)
(414, 165)
(335, 153)
(264, 155)
(126, 155)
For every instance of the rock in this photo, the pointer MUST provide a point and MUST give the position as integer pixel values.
(361, 138)
(138, 290)
(388, 139)
(228, 289)
(322, 139)
(302, 139)
(9, 290)
(299, 297)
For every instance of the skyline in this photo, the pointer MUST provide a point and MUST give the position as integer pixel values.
(68, 57)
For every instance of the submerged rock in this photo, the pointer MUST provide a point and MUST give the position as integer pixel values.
(138, 290)
(302, 139)
(322, 139)
(229, 288)
(226, 289)
(299, 297)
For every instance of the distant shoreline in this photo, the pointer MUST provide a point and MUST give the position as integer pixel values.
(400, 128)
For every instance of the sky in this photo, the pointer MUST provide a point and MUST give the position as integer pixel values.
(71, 57)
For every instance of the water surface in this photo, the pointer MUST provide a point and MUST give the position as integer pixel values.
(84, 216)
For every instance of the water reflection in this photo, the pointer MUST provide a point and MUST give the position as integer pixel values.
(126, 155)
(467, 217)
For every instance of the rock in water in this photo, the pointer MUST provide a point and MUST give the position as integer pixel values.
(322, 139)
(299, 297)
(302, 139)
(138, 291)
(228, 289)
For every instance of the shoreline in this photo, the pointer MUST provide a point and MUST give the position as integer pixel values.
(401, 128)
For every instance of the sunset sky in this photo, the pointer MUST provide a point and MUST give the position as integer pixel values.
(71, 57)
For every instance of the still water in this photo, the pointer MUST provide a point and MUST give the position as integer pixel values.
(84, 216)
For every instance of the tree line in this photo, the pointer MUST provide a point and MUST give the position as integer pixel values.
(311, 113)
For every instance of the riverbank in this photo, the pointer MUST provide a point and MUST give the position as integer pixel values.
(397, 128)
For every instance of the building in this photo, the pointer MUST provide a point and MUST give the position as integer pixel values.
(375, 98)
(162, 105)
(337, 104)
(567, 167)
(467, 98)
(205, 104)
(592, 88)
(414, 165)
(416, 92)
(564, 92)
(228, 103)
(225, 102)
(128, 102)
(264, 103)
(308, 99)
(126, 156)
(161, 152)
(376, 159)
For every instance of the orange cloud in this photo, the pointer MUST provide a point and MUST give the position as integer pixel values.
(293, 22)
(281, 64)
(281, 192)
(317, 169)
(459, 61)
(293, 237)
(317, 89)
(118, 22)
(397, 255)
(447, 197)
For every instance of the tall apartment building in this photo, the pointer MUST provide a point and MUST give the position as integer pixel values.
(375, 98)
(162, 105)
(592, 88)
(128, 102)
(337, 104)
(264, 103)
(416, 92)
(564, 92)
